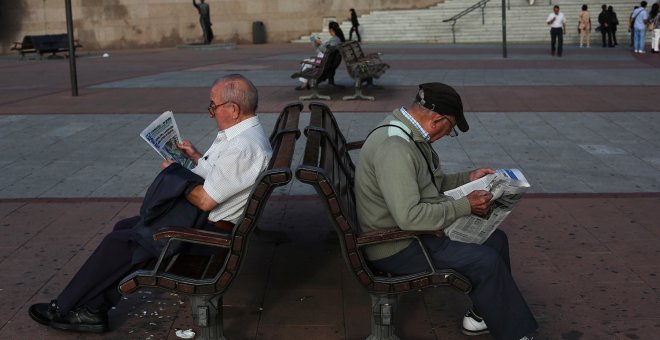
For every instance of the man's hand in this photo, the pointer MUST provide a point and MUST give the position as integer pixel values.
(166, 163)
(189, 149)
(479, 202)
(476, 174)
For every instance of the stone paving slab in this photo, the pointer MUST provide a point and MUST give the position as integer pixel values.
(103, 156)
(584, 263)
(583, 127)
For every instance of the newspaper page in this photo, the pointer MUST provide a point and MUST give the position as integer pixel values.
(163, 135)
(507, 187)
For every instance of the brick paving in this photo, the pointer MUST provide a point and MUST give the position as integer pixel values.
(583, 242)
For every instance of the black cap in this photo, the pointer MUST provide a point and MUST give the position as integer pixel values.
(444, 100)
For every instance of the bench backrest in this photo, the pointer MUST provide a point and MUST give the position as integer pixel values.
(212, 273)
(359, 65)
(326, 67)
(328, 167)
(50, 42)
(27, 44)
(351, 51)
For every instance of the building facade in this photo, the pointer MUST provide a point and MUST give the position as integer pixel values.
(117, 24)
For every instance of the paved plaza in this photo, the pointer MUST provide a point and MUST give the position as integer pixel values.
(583, 128)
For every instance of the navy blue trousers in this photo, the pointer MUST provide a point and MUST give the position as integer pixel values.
(95, 283)
(495, 296)
(557, 38)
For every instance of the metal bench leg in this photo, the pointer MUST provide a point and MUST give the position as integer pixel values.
(382, 317)
(207, 315)
(313, 84)
(358, 92)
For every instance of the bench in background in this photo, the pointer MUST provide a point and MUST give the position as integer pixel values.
(206, 278)
(328, 167)
(362, 68)
(319, 71)
(44, 44)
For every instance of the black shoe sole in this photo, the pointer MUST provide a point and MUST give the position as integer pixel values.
(80, 327)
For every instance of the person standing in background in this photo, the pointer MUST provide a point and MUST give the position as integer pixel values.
(614, 22)
(654, 18)
(204, 20)
(584, 26)
(639, 19)
(604, 21)
(354, 26)
(557, 22)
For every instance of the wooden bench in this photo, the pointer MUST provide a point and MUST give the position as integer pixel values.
(43, 44)
(328, 167)
(206, 277)
(362, 68)
(319, 71)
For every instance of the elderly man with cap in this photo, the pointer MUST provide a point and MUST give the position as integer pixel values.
(399, 182)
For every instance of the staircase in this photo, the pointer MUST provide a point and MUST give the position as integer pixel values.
(525, 23)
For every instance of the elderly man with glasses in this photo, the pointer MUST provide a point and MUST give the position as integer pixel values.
(398, 182)
(212, 195)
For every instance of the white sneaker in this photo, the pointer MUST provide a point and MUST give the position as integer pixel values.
(527, 338)
(473, 324)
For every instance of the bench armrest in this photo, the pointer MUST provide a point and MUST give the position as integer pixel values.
(392, 234)
(194, 235)
(314, 61)
(354, 145)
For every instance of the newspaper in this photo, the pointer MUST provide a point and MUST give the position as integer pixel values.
(163, 135)
(507, 187)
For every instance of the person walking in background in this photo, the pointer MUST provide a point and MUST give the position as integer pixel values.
(640, 18)
(631, 29)
(604, 21)
(614, 22)
(354, 26)
(654, 18)
(584, 26)
(204, 20)
(557, 22)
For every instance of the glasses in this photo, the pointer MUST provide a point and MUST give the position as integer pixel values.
(452, 131)
(213, 106)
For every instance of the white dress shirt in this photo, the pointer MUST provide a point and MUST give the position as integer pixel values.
(231, 166)
(559, 21)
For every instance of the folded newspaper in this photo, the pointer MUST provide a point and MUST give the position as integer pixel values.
(163, 135)
(507, 187)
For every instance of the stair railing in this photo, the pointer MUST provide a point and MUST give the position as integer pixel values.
(481, 4)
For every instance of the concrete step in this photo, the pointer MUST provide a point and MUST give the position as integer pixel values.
(525, 23)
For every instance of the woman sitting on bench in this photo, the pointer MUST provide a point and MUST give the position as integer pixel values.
(337, 37)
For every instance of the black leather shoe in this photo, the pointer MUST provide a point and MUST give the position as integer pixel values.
(44, 313)
(81, 319)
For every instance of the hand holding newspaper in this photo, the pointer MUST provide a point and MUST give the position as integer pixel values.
(163, 135)
(506, 186)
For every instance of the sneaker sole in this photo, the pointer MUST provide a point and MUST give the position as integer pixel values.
(472, 333)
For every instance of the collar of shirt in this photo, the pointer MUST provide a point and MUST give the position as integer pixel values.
(237, 129)
(415, 123)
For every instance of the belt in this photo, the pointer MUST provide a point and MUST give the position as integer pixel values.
(223, 225)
